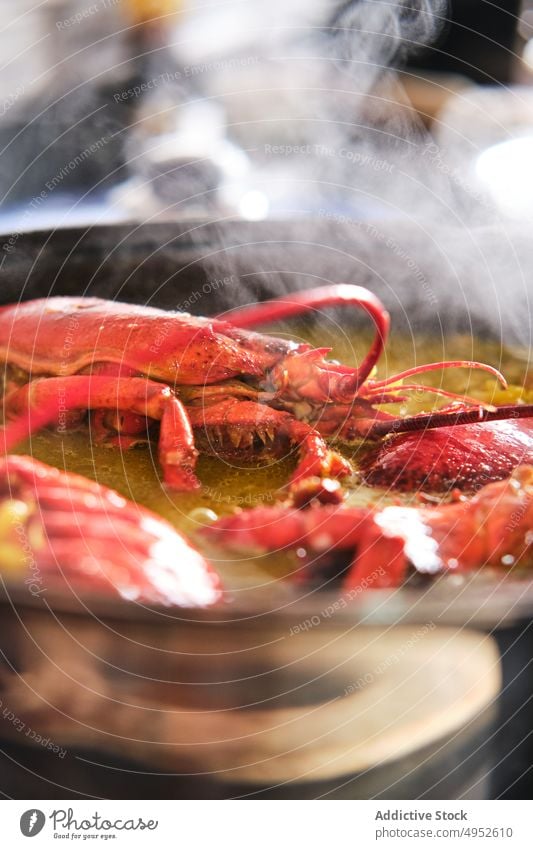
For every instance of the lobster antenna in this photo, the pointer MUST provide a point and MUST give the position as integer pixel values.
(443, 364)
(430, 421)
(313, 299)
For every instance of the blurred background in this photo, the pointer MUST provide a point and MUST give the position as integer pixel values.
(119, 109)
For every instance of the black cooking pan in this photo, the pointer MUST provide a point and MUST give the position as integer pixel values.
(108, 675)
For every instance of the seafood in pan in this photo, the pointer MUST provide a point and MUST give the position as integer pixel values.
(201, 386)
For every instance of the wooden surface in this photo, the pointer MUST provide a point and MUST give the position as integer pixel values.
(254, 708)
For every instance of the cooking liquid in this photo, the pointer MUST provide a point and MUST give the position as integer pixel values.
(227, 485)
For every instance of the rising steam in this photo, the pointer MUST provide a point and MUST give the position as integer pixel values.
(371, 196)
(375, 36)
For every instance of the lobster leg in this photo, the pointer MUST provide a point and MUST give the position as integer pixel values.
(122, 430)
(239, 429)
(317, 465)
(312, 300)
(46, 401)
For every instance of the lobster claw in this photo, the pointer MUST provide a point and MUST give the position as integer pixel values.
(59, 529)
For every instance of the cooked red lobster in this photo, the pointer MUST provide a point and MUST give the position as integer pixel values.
(212, 384)
(494, 528)
(60, 529)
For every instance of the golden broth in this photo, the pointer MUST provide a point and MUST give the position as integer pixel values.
(226, 486)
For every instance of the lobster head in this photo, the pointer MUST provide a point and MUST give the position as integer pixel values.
(306, 376)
